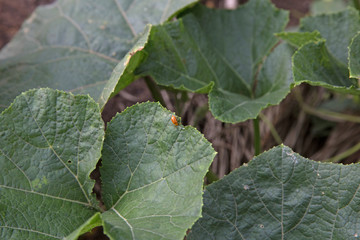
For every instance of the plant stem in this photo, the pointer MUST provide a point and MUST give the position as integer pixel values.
(200, 114)
(256, 136)
(273, 131)
(177, 103)
(211, 176)
(180, 99)
(345, 154)
(356, 4)
(155, 92)
(325, 114)
(330, 115)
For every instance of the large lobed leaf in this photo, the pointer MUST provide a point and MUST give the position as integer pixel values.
(123, 74)
(324, 62)
(220, 52)
(74, 45)
(337, 28)
(281, 195)
(314, 64)
(152, 175)
(50, 141)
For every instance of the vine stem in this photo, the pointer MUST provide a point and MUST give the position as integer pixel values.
(155, 92)
(257, 136)
(273, 131)
(356, 4)
(325, 114)
(345, 154)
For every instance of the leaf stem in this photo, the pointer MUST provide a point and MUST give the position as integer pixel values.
(200, 114)
(325, 114)
(180, 102)
(343, 155)
(256, 136)
(155, 92)
(356, 4)
(273, 131)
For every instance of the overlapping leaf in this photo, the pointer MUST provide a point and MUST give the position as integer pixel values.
(327, 6)
(324, 62)
(354, 57)
(297, 39)
(221, 52)
(50, 141)
(152, 183)
(74, 45)
(281, 195)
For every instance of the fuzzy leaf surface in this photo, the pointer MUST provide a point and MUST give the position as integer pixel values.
(314, 64)
(74, 45)
(354, 57)
(220, 52)
(50, 141)
(152, 174)
(336, 28)
(281, 195)
(327, 6)
(297, 39)
(330, 67)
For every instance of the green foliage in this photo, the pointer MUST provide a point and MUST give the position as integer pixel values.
(152, 183)
(297, 39)
(50, 141)
(324, 62)
(327, 6)
(336, 28)
(152, 171)
(123, 73)
(354, 57)
(222, 53)
(74, 45)
(281, 195)
(314, 64)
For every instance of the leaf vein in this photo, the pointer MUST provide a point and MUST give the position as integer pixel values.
(31, 230)
(53, 150)
(125, 220)
(123, 14)
(46, 195)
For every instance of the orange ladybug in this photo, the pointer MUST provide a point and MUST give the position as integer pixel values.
(174, 121)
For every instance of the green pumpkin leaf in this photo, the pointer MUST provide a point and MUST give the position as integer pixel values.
(123, 73)
(281, 195)
(327, 6)
(354, 57)
(336, 28)
(74, 45)
(221, 52)
(324, 63)
(152, 174)
(313, 64)
(91, 223)
(50, 142)
(297, 39)
(273, 84)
